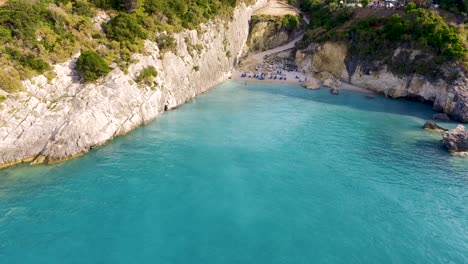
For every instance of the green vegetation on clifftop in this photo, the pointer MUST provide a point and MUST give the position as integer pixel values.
(373, 35)
(36, 34)
(288, 21)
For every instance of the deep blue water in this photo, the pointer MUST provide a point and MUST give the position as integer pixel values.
(249, 174)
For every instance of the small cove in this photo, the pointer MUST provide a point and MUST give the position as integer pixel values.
(249, 173)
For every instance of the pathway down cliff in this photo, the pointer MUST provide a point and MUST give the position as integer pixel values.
(331, 62)
(273, 8)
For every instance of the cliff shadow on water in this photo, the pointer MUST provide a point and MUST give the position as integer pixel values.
(353, 99)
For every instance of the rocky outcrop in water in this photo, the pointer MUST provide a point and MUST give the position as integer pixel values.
(456, 140)
(431, 125)
(330, 60)
(62, 118)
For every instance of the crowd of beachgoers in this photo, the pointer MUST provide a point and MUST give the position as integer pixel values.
(290, 75)
(262, 76)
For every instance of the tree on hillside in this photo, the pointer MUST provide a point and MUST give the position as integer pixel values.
(290, 22)
(125, 27)
(91, 66)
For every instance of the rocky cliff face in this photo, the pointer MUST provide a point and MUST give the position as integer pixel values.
(456, 140)
(267, 33)
(329, 60)
(62, 118)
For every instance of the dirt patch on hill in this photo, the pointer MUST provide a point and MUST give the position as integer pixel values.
(277, 8)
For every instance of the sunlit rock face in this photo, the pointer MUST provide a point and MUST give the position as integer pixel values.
(331, 60)
(63, 118)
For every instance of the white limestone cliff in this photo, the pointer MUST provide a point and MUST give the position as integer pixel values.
(63, 118)
(328, 60)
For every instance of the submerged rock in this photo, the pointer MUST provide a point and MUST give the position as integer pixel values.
(334, 91)
(456, 140)
(441, 116)
(431, 125)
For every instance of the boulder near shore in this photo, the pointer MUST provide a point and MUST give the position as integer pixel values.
(431, 125)
(456, 140)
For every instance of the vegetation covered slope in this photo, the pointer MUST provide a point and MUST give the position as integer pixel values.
(373, 35)
(36, 34)
(271, 31)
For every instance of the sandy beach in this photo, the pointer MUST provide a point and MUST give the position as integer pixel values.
(278, 63)
(292, 80)
(290, 77)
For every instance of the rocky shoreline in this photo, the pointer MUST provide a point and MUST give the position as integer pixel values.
(456, 141)
(56, 120)
(329, 61)
(327, 65)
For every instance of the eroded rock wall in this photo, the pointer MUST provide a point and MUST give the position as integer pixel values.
(329, 60)
(267, 33)
(62, 118)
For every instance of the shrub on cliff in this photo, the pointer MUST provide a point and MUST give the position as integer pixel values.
(125, 28)
(23, 18)
(147, 75)
(29, 61)
(439, 35)
(326, 15)
(290, 22)
(166, 43)
(83, 8)
(420, 28)
(91, 66)
(8, 83)
(34, 63)
(107, 4)
(189, 14)
(410, 6)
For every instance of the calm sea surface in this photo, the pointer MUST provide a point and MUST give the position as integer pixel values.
(249, 174)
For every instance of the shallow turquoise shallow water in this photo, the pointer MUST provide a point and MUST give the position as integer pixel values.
(249, 174)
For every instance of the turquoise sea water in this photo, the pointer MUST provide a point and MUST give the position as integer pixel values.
(249, 174)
